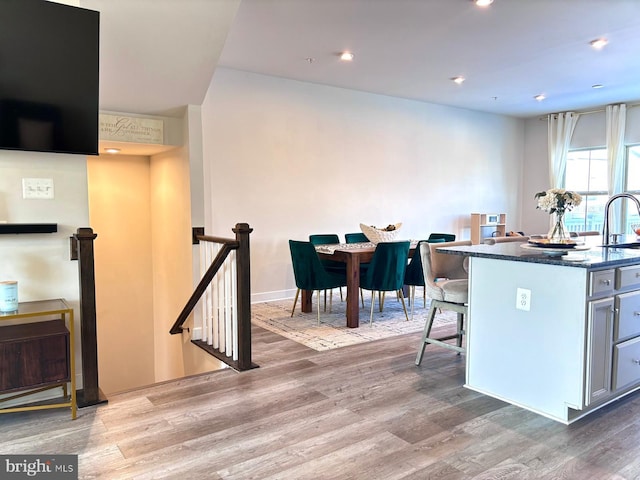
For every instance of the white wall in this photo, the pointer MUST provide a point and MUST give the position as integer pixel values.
(120, 213)
(40, 262)
(140, 208)
(292, 158)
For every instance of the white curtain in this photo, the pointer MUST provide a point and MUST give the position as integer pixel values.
(560, 128)
(616, 121)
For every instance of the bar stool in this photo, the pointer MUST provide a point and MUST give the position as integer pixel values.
(447, 285)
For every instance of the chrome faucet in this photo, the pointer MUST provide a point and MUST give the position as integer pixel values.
(605, 229)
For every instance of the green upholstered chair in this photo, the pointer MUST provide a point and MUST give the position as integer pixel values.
(324, 238)
(330, 265)
(310, 274)
(386, 271)
(448, 237)
(355, 237)
(414, 276)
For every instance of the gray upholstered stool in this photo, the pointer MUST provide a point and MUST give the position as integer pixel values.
(447, 285)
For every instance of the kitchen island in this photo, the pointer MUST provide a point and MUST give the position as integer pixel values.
(557, 335)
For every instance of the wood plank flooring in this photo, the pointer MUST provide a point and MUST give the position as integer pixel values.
(360, 412)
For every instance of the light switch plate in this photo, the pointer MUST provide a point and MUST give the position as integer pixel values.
(38, 188)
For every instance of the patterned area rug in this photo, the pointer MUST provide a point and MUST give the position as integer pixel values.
(333, 332)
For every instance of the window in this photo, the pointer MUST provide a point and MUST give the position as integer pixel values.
(587, 173)
(633, 186)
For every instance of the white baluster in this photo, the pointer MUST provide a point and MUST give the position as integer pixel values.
(234, 303)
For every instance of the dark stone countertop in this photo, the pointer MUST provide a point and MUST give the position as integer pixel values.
(595, 257)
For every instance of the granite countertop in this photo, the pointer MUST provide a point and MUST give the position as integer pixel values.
(594, 257)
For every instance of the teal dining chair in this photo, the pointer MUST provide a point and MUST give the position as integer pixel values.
(330, 265)
(326, 239)
(309, 273)
(355, 237)
(448, 237)
(386, 272)
(414, 276)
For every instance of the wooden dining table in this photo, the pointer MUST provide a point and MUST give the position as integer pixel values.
(353, 255)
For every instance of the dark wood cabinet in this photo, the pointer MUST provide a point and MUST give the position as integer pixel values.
(33, 355)
(37, 355)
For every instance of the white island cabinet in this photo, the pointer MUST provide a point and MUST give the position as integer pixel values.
(559, 336)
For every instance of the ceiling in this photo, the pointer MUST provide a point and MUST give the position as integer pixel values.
(159, 55)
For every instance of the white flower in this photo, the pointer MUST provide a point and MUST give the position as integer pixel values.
(558, 200)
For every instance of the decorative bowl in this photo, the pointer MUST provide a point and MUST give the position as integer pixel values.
(377, 235)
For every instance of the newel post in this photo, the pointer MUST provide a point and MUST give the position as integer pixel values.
(90, 394)
(242, 231)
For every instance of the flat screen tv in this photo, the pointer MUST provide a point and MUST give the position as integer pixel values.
(49, 76)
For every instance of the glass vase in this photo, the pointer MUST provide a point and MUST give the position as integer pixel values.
(558, 232)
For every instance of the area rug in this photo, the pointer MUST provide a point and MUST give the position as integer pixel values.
(333, 333)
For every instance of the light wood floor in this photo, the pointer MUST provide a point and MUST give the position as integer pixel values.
(361, 412)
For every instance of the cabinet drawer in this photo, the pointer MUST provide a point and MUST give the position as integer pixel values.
(627, 322)
(627, 277)
(626, 363)
(601, 282)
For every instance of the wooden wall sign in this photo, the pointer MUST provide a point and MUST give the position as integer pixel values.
(120, 128)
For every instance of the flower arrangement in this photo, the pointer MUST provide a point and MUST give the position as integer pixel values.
(558, 201)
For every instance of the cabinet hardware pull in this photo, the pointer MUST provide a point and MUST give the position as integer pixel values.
(636, 314)
(637, 362)
(606, 282)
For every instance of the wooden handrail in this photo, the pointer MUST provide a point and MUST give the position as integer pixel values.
(243, 279)
(202, 286)
(224, 241)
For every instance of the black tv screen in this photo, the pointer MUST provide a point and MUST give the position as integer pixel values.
(49, 76)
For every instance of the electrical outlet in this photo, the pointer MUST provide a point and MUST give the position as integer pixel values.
(523, 299)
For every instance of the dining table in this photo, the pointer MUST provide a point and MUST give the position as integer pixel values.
(353, 255)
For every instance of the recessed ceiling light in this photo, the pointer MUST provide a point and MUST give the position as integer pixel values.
(347, 56)
(598, 43)
(597, 85)
(112, 151)
(540, 97)
(459, 79)
(483, 3)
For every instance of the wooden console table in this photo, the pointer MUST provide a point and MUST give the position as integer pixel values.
(36, 356)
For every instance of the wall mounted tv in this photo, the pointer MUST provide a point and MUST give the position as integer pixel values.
(49, 69)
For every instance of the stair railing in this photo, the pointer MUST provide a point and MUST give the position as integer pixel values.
(225, 295)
